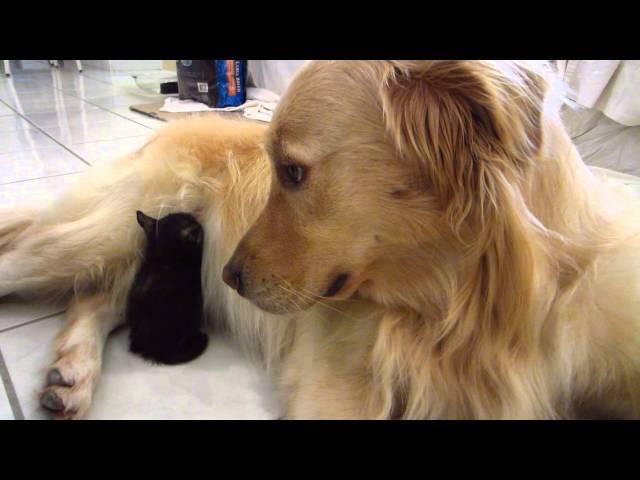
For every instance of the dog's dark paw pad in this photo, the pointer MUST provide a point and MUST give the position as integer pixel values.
(51, 401)
(54, 377)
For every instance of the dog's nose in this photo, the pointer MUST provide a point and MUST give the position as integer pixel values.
(232, 276)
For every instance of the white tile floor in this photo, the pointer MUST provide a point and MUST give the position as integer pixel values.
(53, 125)
(5, 408)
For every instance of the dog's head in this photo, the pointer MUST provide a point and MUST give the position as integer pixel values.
(383, 170)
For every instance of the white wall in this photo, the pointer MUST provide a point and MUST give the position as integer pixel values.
(124, 65)
(273, 75)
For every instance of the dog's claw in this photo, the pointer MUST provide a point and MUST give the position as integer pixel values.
(51, 401)
(54, 377)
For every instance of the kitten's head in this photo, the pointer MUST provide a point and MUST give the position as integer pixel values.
(177, 236)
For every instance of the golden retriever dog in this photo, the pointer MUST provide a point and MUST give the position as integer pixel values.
(407, 240)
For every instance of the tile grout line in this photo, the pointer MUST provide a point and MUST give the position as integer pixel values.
(47, 134)
(35, 320)
(13, 182)
(111, 139)
(95, 104)
(100, 106)
(107, 110)
(10, 390)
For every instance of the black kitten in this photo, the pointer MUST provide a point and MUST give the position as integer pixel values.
(164, 308)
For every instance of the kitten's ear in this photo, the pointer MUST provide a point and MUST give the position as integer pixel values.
(193, 234)
(147, 223)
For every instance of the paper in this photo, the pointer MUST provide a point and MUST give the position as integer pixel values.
(260, 105)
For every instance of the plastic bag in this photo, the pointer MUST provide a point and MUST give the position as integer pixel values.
(216, 83)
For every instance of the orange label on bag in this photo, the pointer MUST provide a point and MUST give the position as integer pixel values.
(231, 80)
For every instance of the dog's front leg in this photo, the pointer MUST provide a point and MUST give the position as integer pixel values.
(73, 376)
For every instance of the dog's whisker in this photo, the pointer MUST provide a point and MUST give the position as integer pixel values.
(316, 299)
(292, 300)
(297, 305)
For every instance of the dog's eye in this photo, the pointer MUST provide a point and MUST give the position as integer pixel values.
(295, 173)
(291, 175)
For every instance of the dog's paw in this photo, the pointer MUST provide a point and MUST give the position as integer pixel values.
(69, 389)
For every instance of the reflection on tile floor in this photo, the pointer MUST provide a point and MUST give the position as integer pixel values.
(106, 150)
(4, 110)
(13, 122)
(38, 163)
(53, 125)
(15, 311)
(33, 192)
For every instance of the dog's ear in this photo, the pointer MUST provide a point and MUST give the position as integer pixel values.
(472, 131)
(461, 123)
(147, 223)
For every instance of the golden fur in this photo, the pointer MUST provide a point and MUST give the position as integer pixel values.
(491, 274)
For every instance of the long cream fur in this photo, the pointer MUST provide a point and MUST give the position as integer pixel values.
(503, 282)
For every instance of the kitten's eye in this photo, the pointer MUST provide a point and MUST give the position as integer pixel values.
(291, 175)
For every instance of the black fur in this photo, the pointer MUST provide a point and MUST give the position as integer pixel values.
(164, 307)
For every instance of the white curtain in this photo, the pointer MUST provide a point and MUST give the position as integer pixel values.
(610, 86)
